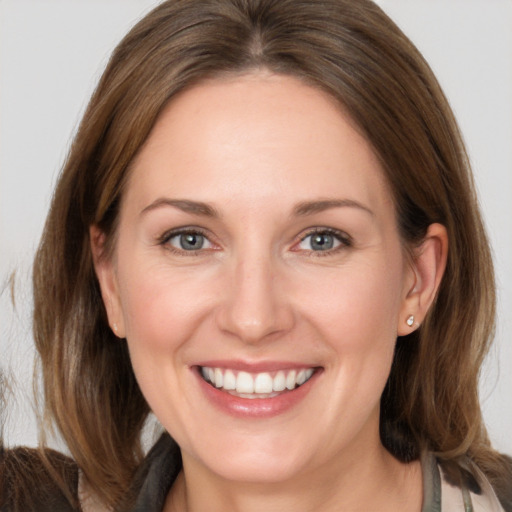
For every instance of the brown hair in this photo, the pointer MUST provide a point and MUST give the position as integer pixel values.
(27, 485)
(353, 51)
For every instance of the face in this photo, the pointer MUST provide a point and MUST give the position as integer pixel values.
(259, 278)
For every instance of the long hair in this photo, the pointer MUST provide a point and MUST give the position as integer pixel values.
(355, 53)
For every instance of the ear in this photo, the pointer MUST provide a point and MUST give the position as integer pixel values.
(106, 274)
(426, 271)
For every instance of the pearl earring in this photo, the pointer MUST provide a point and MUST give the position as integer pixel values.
(114, 327)
(410, 321)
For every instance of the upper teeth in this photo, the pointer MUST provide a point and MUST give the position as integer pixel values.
(264, 382)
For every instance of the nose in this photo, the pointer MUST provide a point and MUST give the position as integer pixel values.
(255, 306)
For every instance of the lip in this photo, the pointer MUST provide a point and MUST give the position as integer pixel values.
(255, 367)
(255, 407)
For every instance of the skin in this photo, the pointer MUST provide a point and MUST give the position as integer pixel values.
(253, 148)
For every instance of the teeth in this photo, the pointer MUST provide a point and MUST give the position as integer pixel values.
(290, 380)
(229, 380)
(263, 383)
(249, 385)
(244, 383)
(279, 383)
(218, 378)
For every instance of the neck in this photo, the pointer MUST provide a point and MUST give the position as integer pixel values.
(375, 481)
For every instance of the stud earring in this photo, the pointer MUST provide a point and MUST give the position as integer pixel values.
(410, 321)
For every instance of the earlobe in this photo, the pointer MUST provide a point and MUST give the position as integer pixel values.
(428, 266)
(105, 272)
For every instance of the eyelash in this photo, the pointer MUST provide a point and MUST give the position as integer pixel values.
(343, 238)
(168, 235)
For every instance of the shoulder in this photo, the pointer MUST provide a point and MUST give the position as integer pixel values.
(157, 475)
(35, 480)
(496, 495)
(32, 480)
(152, 482)
(459, 487)
(480, 499)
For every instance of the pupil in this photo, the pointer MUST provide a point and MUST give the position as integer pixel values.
(322, 242)
(191, 241)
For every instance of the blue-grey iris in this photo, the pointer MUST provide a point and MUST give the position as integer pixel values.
(191, 241)
(322, 242)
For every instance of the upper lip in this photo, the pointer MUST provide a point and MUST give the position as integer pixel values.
(255, 366)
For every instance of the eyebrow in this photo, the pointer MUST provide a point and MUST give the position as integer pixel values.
(185, 205)
(301, 210)
(312, 207)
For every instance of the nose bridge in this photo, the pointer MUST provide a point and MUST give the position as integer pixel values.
(255, 307)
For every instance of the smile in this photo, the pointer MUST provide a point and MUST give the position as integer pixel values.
(256, 385)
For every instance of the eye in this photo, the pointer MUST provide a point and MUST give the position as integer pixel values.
(324, 240)
(187, 241)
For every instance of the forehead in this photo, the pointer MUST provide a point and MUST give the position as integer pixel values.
(252, 137)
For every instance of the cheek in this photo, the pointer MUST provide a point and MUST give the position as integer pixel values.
(356, 314)
(160, 308)
(358, 306)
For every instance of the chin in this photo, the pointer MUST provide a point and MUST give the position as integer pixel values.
(258, 469)
(263, 462)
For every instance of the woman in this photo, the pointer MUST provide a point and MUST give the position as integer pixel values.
(266, 233)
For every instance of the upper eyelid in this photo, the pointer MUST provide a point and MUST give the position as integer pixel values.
(345, 243)
(343, 236)
(167, 235)
(164, 240)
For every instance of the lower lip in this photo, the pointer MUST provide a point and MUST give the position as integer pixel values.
(255, 407)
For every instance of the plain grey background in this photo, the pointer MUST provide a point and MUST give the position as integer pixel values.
(51, 55)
